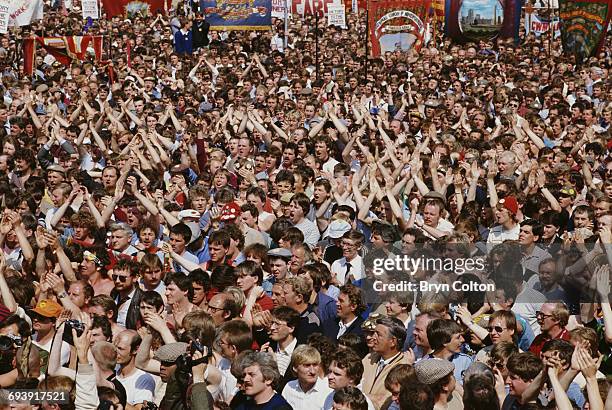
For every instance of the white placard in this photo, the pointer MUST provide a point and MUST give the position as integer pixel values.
(278, 8)
(23, 12)
(4, 15)
(336, 15)
(90, 9)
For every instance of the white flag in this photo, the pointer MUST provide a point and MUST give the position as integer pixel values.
(23, 12)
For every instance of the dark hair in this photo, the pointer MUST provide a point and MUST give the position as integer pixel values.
(287, 314)
(441, 331)
(352, 397)
(302, 201)
(103, 323)
(201, 278)
(479, 394)
(220, 237)
(416, 396)
(536, 227)
(182, 230)
(250, 268)
(525, 365)
(353, 342)
(127, 265)
(355, 296)
(181, 281)
(350, 362)
(151, 297)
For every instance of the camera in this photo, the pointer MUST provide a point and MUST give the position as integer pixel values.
(68, 326)
(185, 362)
(7, 342)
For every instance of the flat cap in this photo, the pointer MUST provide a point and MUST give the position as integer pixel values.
(57, 168)
(170, 352)
(280, 253)
(429, 371)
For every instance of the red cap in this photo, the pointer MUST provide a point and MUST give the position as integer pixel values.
(510, 203)
(230, 212)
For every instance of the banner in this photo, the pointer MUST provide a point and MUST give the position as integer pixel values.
(336, 15)
(278, 8)
(4, 16)
(64, 49)
(584, 25)
(397, 24)
(472, 20)
(90, 9)
(23, 12)
(238, 14)
(538, 25)
(129, 7)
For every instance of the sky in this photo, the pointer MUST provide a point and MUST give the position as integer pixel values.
(482, 7)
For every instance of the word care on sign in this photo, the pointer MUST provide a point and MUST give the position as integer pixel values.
(4, 16)
(336, 15)
(90, 9)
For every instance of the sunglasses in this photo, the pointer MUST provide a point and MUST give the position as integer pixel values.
(121, 279)
(497, 329)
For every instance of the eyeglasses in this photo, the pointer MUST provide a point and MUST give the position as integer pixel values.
(121, 279)
(497, 329)
(542, 315)
(213, 308)
(498, 365)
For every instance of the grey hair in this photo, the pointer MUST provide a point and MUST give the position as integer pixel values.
(265, 361)
(396, 329)
(122, 226)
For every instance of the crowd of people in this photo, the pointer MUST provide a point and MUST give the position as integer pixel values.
(215, 220)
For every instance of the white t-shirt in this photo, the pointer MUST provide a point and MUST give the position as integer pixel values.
(139, 386)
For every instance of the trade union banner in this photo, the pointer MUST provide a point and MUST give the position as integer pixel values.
(397, 25)
(129, 7)
(472, 20)
(583, 26)
(64, 49)
(238, 14)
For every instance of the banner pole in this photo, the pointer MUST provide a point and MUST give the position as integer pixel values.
(317, 38)
(367, 39)
(286, 26)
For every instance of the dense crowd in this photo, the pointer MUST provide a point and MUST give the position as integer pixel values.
(209, 220)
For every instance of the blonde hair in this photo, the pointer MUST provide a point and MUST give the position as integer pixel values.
(305, 354)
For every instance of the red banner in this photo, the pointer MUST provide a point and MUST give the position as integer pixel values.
(64, 49)
(123, 7)
(397, 24)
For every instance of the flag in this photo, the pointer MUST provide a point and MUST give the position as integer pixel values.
(64, 49)
(23, 12)
(238, 14)
(583, 26)
(128, 7)
(471, 20)
(539, 25)
(397, 24)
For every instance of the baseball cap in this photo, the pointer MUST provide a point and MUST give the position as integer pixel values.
(48, 308)
(188, 213)
(429, 371)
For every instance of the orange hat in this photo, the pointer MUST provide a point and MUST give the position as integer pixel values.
(48, 308)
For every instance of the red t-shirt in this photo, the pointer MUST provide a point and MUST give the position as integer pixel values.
(538, 342)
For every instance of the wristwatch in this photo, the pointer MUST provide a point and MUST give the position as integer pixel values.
(62, 295)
